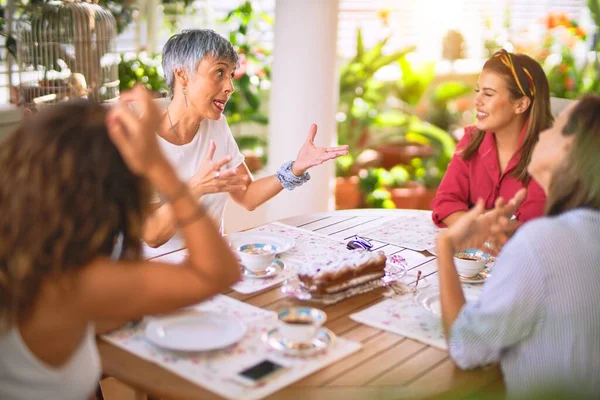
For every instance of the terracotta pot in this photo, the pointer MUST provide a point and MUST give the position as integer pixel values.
(394, 154)
(409, 196)
(253, 161)
(427, 198)
(347, 193)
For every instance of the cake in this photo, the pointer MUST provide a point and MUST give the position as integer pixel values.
(341, 272)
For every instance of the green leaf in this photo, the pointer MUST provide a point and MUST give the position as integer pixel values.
(360, 46)
(447, 91)
(594, 7)
(390, 119)
(414, 81)
(390, 58)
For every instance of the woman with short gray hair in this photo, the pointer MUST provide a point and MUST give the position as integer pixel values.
(199, 66)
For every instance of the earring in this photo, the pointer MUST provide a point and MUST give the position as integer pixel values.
(184, 90)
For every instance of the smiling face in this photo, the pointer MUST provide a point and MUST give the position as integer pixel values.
(495, 106)
(550, 151)
(209, 90)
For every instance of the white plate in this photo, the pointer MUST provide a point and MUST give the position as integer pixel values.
(195, 331)
(430, 301)
(283, 243)
(276, 267)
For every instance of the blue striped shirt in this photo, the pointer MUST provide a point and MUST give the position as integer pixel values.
(539, 312)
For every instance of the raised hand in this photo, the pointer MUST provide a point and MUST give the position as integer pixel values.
(210, 179)
(311, 155)
(488, 231)
(500, 222)
(134, 135)
(470, 230)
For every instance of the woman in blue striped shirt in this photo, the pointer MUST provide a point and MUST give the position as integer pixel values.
(539, 312)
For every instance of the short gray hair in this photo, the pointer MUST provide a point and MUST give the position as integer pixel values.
(187, 49)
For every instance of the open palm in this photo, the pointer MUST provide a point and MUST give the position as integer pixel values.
(311, 155)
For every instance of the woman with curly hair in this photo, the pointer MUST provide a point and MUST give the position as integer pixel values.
(74, 191)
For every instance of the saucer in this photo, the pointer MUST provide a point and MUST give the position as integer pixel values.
(322, 340)
(479, 278)
(272, 270)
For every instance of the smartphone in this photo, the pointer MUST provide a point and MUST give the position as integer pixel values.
(258, 372)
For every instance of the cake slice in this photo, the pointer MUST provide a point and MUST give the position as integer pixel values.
(342, 272)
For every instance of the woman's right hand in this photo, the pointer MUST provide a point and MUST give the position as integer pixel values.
(211, 179)
(134, 135)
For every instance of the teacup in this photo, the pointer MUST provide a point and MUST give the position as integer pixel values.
(468, 265)
(256, 257)
(300, 324)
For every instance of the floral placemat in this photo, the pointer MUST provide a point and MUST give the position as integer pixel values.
(402, 315)
(213, 370)
(412, 232)
(309, 246)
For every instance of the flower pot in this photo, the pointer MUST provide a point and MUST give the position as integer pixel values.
(410, 196)
(426, 198)
(253, 161)
(347, 193)
(394, 154)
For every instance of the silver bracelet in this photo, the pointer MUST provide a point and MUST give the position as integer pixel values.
(287, 177)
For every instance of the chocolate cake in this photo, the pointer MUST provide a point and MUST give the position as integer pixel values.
(342, 272)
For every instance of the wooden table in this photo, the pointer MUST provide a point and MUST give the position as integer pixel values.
(388, 366)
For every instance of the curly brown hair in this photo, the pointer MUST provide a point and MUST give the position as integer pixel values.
(66, 195)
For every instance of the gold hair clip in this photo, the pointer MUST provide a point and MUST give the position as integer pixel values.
(506, 59)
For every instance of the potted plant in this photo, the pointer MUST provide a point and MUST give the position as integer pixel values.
(373, 183)
(361, 95)
(142, 69)
(245, 106)
(404, 192)
(347, 192)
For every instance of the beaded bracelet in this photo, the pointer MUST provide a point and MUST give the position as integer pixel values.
(287, 177)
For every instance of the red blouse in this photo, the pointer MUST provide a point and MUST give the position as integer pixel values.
(479, 177)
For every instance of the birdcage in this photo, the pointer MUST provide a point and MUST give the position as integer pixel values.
(66, 50)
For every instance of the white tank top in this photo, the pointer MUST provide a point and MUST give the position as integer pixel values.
(23, 376)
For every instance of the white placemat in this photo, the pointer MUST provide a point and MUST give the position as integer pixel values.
(309, 246)
(413, 232)
(211, 370)
(404, 316)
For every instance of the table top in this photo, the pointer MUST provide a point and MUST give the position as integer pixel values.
(388, 366)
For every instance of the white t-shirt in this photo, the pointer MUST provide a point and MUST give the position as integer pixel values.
(186, 160)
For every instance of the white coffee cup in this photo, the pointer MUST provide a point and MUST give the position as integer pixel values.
(256, 257)
(300, 324)
(468, 265)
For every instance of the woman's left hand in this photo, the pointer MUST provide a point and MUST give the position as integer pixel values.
(311, 155)
(477, 227)
(470, 230)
